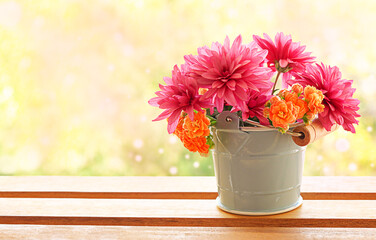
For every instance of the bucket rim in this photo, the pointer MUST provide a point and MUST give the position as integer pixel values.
(249, 129)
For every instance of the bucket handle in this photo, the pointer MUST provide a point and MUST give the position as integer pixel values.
(294, 134)
(229, 120)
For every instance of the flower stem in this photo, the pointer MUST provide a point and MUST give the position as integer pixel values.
(275, 82)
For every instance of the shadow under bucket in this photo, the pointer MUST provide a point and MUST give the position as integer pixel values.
(258, 172)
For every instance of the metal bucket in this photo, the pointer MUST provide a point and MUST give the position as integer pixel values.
(258, 172)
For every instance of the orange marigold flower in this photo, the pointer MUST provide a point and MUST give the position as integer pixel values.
(315, 105)
(193, 133)
(274, 99)
(310, 116)
(297, 88)
(299, 103)
(266, 112)
(310, 92)
(282, 93)
(198, 127)
(197, 144)
(179, 131)
(291, 97)
(303, 107)
(283, 113)
(314, 99)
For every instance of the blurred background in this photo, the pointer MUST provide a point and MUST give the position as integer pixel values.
(75, 77)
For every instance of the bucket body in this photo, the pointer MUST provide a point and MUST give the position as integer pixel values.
(258, 172)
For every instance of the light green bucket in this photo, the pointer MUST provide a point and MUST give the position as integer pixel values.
(258, 172)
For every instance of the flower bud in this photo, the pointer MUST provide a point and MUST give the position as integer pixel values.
(297, 88)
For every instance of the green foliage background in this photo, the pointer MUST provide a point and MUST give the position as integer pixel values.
(75, 77)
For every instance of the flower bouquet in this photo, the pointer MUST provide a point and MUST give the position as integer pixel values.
(239, 78)
(226, 98)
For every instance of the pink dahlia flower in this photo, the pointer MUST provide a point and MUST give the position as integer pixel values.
(180, 94)
(284, 56)
(229, 71)
(255, 105)
(340, 106)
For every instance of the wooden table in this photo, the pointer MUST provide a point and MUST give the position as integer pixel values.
(176, 208)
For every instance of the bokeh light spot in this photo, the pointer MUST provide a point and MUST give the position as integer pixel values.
(342, 145)
(138, 158)
(138, 143)
(353, 167)
(173, 170)
(173, 139)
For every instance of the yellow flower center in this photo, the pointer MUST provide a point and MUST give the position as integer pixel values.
(281, 114)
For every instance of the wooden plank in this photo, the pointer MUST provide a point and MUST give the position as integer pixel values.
(108, 187)
(339, 188)
(153, 212)
(12, 232)
(315, 188)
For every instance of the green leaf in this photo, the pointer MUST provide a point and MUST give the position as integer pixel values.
(209, 141)
(281, 130)
(305, 119)
(211, 118)
(275, 90)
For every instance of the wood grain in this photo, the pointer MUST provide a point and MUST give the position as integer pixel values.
(198, 213)
(12, 232)
(315, 188)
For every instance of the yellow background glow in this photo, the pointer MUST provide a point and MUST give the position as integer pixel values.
(75, 77)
